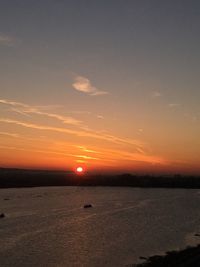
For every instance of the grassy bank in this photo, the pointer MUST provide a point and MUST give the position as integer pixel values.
(189, 257)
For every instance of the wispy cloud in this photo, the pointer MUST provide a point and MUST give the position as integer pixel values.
(25, 109)
(84, 85)
(87, 157)
(10, 134)
(92, 134)
(84, 149)
(192, 117)
(80, 112)
(174, 105)
(12, 103)
(81, 131)
(111, 154)
(156, 94)
(100, 117)
(7, 40)
(140, 149)
(99, 154)
(133, 156)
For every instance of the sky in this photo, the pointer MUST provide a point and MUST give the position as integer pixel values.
(108, 85)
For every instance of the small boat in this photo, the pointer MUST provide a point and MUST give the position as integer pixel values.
(86, 206)
(2, 215)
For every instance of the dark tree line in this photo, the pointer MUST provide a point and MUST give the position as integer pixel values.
(33, 178)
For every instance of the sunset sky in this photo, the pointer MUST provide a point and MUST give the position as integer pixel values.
(105, 84)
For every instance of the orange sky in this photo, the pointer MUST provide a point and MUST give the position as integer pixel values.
(37, 137)
(111, 86)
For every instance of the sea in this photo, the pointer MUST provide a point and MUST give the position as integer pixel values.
(49, 226)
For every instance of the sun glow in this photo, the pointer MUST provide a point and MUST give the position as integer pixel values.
(79, 170)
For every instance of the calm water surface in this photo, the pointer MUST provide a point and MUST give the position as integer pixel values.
(49, 227)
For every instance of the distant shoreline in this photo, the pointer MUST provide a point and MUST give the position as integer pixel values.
(15, 178)
(188, 257)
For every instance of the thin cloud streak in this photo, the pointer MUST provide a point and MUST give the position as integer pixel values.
(25, 109)
(132, 156)
(10, 134)
(84, 149)
(109, 138)
(139, 147)
(37, 150)
(128, 156)
(100, 117)
(7, 40)
(105, 155)
(98, 154)
(83, 130)
(84, 85)
(156, 94)
(115, 156)
(60, 153)
(174, 105)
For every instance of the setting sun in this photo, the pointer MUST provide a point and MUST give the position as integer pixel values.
(79, 170)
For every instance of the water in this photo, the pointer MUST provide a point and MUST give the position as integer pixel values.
(50, 227)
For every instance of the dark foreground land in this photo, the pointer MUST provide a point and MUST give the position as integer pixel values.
(189, 257)
(34, 178)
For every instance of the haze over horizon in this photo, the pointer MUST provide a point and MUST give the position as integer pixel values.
(107, 85)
